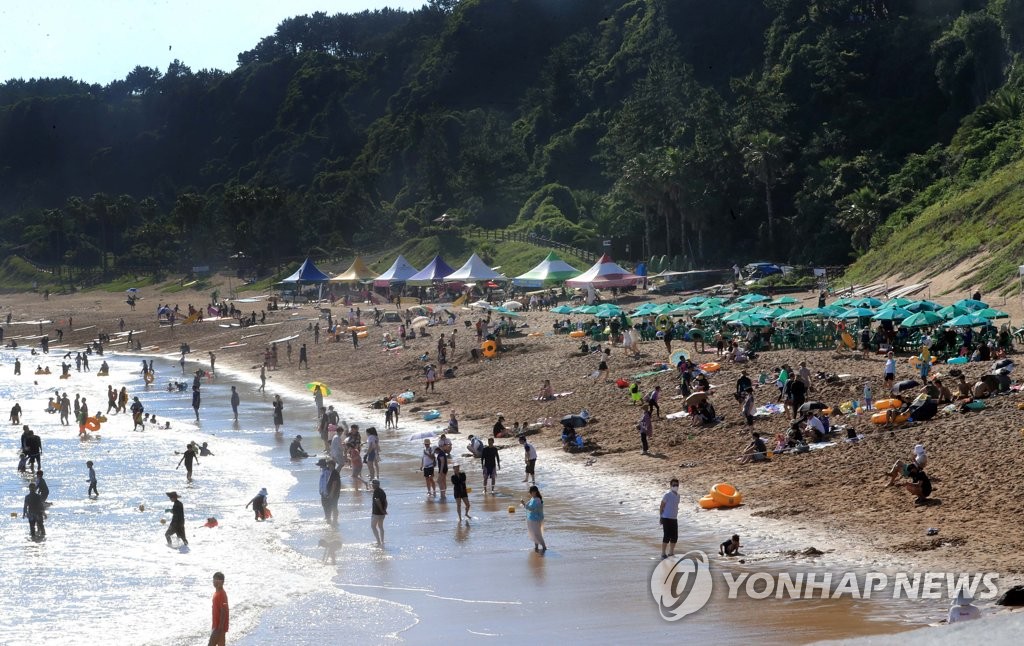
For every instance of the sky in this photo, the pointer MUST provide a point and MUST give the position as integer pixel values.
(99, 41)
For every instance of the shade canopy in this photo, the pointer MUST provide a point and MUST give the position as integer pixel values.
(357, 272)
(437, 270)
(475, 269)
(550, 270)
(307, 273)
(604, 274)
(399, 272)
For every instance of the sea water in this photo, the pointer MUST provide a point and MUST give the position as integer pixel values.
(104, 573)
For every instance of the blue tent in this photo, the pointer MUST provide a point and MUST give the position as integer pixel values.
(437, 270)
(307, 273)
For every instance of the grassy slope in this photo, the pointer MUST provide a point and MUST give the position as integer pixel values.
(984, 219)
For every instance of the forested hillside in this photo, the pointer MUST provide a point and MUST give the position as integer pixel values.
(714, 132)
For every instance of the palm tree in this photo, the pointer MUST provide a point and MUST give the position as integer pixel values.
(763, 159)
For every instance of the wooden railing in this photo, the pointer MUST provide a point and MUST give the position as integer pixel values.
(502, 235)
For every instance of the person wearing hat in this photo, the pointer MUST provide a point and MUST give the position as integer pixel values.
(962, 609)
(296, 450)
(379, 509)
(459, 490)
(259, 504)
(177, 526)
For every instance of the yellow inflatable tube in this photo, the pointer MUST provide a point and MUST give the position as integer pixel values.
(726, 495)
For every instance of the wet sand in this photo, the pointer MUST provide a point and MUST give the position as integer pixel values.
(831, 498)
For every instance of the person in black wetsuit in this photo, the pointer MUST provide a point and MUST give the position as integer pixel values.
(177, 526)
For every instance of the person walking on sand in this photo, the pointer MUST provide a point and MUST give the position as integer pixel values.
(177, 525)
(235, 401)
(669, 519)
(491, 460)
(303, 357)
(530, 458)
(93, 491)
(459, 490)
(188, 457)
(427, 464)
(263, 378)
(220, 611)
(278, 413)
(646, 428)
(535, 519)
(379, 509)
(652, 401)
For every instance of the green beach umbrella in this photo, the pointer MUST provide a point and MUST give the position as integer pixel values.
(785, 300)
(732, 316)
(966, 320)
(990, 313)
(896, 302)
(737, 307)
(922, 306)
(561, 309)
(754, 298)
(712, 312)
(971, 304)
(952, 311)
(798, 313)
(866, 301)
(695, 300)
(749, 320)
(892, 314)
(857, 313)
(830, 311)
(843, 302)
(921, 319)
(714, 302)
(584, 309)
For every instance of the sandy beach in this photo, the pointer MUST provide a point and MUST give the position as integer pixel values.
(832, 498)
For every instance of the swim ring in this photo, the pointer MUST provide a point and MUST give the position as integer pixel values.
(707, 502)
(886, 404)
(92, 424)
(726, 495)
(955, 361)
(431, 414)
(883, 418)
(149, 378)
(490, 349)
(576, 334)
(710, 367)
(663, 322)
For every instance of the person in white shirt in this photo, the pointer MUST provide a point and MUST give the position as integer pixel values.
(530, 456)
(920, 456)
(817, 426)
(962, 609)
(427, 465)
(668, 516)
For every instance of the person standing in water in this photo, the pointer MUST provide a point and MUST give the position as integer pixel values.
(427, 466)
(668, 515)
(177, 526)
(188, 458)
(259, 504)
(220, 611)
(378, 512)
(372, 453)
(34, 511)
(213, 362)
(330, 490)
(492, 463)
(235, 401)
(535, 519)
(196, 400)
(303, 359)
(278, 413)
(459, 490)
(530, 456)
(93, 491)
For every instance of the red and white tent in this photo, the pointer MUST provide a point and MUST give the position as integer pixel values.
(603, 275)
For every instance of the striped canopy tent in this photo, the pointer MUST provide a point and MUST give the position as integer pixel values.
(399, 272)
(358, 272)
(603, 275)
(474, 270)
(550, 270)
